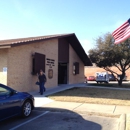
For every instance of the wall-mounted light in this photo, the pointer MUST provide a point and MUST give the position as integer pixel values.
(74, 68)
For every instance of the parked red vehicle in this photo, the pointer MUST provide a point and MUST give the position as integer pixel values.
(91, 78)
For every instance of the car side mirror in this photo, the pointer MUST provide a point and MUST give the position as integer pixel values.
(13, 93)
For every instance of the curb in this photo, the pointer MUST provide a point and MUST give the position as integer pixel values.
(122, 122)
(128, 121)
(80, 112)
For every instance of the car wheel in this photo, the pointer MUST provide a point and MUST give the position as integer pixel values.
(27, 108)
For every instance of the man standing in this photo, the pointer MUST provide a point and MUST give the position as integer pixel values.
(42, 80)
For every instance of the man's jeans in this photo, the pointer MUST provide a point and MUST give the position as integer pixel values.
(42, 88)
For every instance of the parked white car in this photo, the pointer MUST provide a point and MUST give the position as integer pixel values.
(102, 77)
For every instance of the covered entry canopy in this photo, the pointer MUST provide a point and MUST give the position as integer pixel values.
(71, 38)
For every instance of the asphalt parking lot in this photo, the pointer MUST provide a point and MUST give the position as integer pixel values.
(41, 119)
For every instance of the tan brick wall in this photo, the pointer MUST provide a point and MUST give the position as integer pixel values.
(20, 64)
(73, 57)
(18, 60)
(3, 63)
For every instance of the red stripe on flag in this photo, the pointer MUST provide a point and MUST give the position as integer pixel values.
(122, 33)
(121, 27)
(123, 39)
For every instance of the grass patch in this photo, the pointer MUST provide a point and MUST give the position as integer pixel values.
(93, 95)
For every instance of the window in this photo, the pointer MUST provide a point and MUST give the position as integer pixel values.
(76, 66)
(38, 62)
(4, 91)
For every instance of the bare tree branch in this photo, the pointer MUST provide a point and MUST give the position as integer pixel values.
(118, 67)
(121, 65)
(127, 68)
(107, 69)
(127, 61)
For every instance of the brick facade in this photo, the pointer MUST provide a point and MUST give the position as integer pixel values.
(74, 58)
(3, 63)
(18, 60)
(20, 64)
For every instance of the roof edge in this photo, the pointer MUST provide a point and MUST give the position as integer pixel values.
(31, 39)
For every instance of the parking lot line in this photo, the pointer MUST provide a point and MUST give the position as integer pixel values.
(29, 120)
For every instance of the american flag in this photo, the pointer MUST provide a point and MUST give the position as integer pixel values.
(122, 33)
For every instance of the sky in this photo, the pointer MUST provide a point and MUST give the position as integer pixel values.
(88, 19)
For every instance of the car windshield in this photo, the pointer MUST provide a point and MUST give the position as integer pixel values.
(4, 91)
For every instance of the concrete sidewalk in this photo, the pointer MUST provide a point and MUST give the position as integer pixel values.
(41, 101)
(57, 89)
(87, 107)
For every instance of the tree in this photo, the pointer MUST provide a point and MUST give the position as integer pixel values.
(107, 54)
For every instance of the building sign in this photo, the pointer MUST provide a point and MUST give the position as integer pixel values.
(50, 62)
(50, 73)
(4, 69)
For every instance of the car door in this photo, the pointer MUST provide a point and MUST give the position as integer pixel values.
(9, 103)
